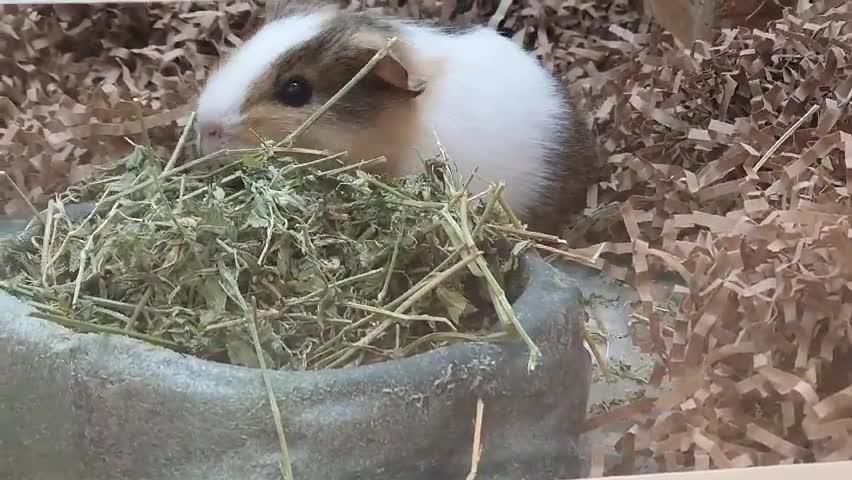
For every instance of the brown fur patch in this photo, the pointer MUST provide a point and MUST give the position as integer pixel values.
(388, 136)
(375, 118)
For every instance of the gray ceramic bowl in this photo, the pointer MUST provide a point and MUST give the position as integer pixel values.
(92, 406)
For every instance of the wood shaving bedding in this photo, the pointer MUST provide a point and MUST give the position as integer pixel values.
(730, 166)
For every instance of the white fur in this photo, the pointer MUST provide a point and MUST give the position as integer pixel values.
(491, 104)
(228, 86)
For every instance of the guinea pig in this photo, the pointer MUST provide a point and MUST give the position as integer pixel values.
(489, 103)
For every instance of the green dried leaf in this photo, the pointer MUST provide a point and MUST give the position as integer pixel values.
(454, 301)
(200, 249)
(241, 352)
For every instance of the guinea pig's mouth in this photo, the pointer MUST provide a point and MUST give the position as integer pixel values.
(213, 137)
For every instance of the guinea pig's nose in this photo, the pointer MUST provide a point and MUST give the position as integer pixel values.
(213, 131)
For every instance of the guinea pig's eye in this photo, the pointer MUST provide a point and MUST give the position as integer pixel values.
(294, 92)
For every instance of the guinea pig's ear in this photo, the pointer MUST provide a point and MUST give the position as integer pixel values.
(391, 70)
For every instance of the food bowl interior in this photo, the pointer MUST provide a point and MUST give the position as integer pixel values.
(21, 236)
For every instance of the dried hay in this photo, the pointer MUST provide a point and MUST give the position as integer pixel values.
(302, 242)
(730, 163)
(342, 269)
